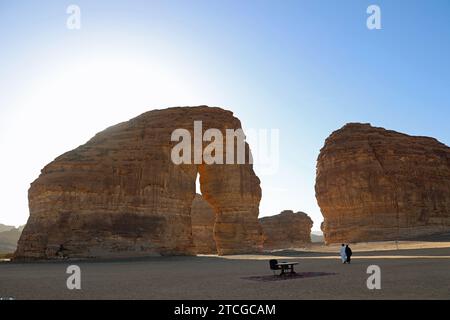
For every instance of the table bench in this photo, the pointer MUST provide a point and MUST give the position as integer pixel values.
(283, 266)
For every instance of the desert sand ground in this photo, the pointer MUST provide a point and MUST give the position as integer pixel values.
(415, 271)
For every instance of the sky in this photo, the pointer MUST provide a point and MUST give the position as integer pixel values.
(304, 68)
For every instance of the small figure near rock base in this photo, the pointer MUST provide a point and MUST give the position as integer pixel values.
(342, 253)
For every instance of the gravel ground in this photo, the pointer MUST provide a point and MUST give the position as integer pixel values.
(419, 274)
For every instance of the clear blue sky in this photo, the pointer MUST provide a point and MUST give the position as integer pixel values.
(304, 67)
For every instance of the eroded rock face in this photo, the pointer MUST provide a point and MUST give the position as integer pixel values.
(286, 230)
(121, 195)
(203, 219)
(375, 184)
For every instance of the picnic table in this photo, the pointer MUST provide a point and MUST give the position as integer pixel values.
(287, 266)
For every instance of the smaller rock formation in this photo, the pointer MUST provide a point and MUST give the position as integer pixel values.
(288, 229)
(203, 219)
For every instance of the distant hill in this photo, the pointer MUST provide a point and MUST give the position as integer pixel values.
(4, 227)
(317, 236)
(9, 238)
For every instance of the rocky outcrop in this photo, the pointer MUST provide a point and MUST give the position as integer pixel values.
(203, 219)
(120, 194)
(376, 184)
(286, 230)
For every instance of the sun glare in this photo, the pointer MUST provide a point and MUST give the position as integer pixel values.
(73, 100)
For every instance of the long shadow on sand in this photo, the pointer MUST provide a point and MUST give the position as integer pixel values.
(297, 275)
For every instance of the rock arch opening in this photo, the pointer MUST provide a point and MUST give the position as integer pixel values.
(203, 218)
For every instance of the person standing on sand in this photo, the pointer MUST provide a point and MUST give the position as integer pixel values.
(348, 253)
(342, 253)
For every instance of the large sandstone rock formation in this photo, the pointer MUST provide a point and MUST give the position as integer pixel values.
(121, 195)
(286, 230)
(203, 219)
(376, 184)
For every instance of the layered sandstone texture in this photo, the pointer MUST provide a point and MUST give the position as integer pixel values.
(374, 184)
(120, 194)
(288, 229)
(203, 219)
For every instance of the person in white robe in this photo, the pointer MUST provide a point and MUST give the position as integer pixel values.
(342, 253)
